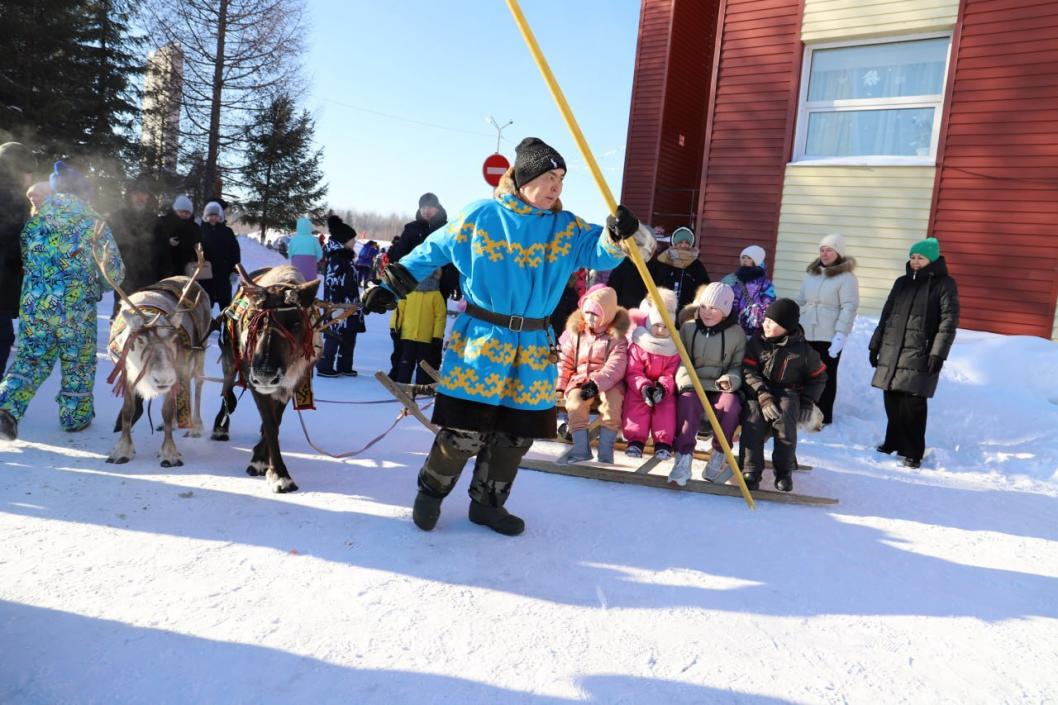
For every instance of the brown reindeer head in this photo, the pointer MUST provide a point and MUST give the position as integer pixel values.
(277, 338)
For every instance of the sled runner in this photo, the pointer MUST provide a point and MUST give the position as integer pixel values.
(404, 398)
(640, 475)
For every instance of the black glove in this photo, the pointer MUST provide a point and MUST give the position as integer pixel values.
(589, 390)
(936, 362)
(657, 394)
(648, 395)
(805, 417)
(623, 225)
(872, 357)
(379, 299)
(769, 409)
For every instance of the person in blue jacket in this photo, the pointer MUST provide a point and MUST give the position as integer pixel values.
(514, 253)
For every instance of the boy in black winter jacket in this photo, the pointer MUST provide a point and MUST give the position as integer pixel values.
(784, 378)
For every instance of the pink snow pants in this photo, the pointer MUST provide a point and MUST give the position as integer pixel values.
(640, 419)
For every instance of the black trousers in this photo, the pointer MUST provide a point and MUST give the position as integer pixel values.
(411, 352)
(755, 432)
(495, 467)
(906, 431)
(394, 357)
(337, 352)
(7, 340)
(826, 400)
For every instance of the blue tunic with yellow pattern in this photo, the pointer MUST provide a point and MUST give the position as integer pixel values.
(513, 259)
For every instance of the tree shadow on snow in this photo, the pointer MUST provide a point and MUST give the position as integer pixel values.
(588, 544)
(63, 657)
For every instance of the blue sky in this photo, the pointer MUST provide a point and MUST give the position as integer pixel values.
(378, 70)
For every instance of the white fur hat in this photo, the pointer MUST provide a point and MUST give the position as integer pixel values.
(755, 253)
(668, 296)
(835, 242)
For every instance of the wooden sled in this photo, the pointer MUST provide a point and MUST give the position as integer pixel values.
(640, 475)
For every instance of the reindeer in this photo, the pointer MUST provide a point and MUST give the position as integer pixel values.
(269, 340)
(157, 343)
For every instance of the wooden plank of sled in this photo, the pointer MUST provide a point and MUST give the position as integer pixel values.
(698, 454)
(400, 395)
(610, 474)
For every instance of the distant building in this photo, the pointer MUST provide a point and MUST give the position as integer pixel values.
(777, 121)
(162, 96)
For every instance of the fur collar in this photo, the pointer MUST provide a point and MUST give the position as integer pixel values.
(653, 344)
(678, 259)
(507, 187)
(618, 326)
(844, 264)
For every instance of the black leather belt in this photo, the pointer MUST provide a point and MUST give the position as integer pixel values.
(515, 323)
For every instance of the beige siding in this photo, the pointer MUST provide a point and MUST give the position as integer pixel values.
(1054, 328)
(880, 210)
(826, 20)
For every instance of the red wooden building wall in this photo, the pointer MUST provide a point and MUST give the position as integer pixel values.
(670, 93)
(750, 128)
(996, 195)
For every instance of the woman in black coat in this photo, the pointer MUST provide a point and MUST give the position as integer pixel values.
(221, 249)
(677, 268)
(908, 349)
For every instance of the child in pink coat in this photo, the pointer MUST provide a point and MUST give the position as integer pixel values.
(593, 356)
(650, 405)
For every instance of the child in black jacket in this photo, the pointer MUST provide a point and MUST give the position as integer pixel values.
(784, 378)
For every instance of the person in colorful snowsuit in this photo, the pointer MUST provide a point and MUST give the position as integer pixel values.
(304, 250)
(784, 378)
(650, 400)
(340, 287)
(592, 363)
(829, 298)
(716, 345)
(514, 254)
(17, 165)
(60, 289)
(754, 291)
(914, 336)
(420, 322)
(365, 261)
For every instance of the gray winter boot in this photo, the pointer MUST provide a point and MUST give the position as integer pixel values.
(717, 469)
(581, 447)
(606, 440)
(681, 469)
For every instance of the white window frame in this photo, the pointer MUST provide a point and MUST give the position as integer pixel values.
(804, 108)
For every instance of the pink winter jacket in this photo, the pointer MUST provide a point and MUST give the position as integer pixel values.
(651, 360)
(585, 356)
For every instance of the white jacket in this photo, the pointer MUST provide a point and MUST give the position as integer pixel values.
(829, 298)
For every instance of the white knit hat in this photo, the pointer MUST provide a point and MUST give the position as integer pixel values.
(835, 242)
(718, 295)
(213, 208)
(668, 296)
(183, 203)
(755, 253)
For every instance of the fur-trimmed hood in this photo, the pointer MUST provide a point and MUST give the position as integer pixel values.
(847, 264)
(506, 186)
(618, 326)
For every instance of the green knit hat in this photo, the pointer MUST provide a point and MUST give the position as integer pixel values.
(928, 248)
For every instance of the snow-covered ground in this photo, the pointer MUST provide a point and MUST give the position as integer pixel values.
(137, 584)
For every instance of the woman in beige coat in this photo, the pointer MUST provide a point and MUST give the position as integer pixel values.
(829, 298)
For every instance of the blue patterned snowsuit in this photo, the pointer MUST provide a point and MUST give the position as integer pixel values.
(57, 315)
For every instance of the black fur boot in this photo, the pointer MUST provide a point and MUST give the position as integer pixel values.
(783, 483)
(8, 426)
(426, 511)
(496, 518)
(752, 481)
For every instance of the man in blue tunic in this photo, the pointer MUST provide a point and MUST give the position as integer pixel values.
(514, 254)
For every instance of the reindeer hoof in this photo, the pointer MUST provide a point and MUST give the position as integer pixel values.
(219, 436)
(284, 485)
(256, 471)
(172, 463)
(198, 434)
(121, 460)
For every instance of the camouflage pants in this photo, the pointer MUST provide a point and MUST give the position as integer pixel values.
(495, 467)
(39, 345)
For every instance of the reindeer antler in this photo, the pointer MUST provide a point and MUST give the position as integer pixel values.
(246, 281)
(201, 260)
(102, 268)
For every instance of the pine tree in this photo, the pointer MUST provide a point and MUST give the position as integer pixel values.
(281, 175)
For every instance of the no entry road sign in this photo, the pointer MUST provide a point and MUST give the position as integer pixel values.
(495, 166)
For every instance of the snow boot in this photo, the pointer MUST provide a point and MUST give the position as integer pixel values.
(8, 426)
(884, 449)
(496, 518)
(681, 469)
(913, 463)
(606, 440)
(563, 432)
(426, 511)
(783, 483)
(752, 481)
(581, 447)
(662, 451)
(634, 450)
(717, 470)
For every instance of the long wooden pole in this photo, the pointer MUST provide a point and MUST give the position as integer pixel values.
(633, 251)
